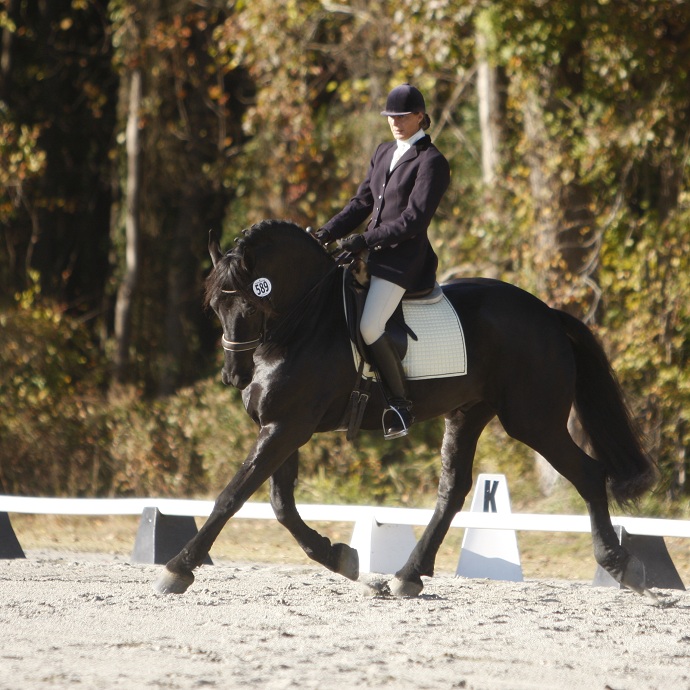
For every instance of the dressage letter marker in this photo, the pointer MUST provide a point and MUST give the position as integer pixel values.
(490, 496)
(490, 553)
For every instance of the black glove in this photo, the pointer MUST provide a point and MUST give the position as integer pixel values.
(353, 244)
(322, 237)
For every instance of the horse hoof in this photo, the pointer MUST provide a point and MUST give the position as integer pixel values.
(635, 578)
(346, 561)
(405, 588)
(172, 583)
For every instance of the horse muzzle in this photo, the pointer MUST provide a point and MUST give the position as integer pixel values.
(237, 380)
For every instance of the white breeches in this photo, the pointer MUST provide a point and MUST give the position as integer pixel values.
(381, 302)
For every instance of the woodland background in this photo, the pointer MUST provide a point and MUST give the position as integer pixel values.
(127, 130)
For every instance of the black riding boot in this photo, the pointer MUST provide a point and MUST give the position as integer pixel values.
(398, 417)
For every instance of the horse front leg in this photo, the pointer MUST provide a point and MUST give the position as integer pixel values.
(272, 447)
(340, 558)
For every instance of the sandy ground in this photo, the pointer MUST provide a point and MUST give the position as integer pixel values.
(72, 620)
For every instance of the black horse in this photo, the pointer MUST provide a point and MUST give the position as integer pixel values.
(278, 295)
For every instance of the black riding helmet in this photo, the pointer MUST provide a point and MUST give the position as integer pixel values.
(403, 100)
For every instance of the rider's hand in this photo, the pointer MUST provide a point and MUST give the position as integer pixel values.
(353, 244)
(321, 236)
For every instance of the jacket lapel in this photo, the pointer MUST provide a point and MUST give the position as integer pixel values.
(411, 153)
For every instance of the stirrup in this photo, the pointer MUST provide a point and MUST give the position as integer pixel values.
(396, 430)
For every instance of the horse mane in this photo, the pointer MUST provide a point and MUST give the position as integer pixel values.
(233, 272)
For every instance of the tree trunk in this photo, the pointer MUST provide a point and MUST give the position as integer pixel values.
(543, 193)
(125, 293)
(489, 110)
(6, 39)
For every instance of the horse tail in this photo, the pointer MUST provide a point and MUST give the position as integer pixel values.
(605, 417)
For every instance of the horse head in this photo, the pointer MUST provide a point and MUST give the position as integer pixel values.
(255, 287)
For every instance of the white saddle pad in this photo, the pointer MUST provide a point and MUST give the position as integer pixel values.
(439, 351)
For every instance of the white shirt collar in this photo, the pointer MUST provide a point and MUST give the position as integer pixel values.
(407, 143)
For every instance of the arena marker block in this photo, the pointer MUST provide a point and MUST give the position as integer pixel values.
(160, 537)
(9, 544)
(382, 548)
(659, 568)
(490, 553)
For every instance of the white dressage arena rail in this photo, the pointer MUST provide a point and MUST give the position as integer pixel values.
(383, 536)
(417, 517)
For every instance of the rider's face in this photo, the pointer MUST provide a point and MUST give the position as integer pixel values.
(404, 126)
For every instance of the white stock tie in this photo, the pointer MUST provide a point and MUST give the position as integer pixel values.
(397, 154)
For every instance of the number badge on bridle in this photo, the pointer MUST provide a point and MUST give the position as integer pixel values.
(262, 287)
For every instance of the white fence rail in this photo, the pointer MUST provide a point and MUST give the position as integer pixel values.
(518, 522)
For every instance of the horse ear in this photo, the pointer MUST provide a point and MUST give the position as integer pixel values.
(214, 246)
(248, 260)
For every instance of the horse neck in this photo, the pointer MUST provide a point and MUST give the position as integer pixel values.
(307, 307)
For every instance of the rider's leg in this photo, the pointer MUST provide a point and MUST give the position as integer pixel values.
(382, 300)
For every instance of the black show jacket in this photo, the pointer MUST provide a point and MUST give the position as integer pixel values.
(401, 204)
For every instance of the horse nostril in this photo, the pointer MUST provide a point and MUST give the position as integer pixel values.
(236, 380)
(239, 382)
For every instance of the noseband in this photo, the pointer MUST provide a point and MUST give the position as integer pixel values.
(241, 345)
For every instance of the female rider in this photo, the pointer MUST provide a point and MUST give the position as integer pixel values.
(406, 180)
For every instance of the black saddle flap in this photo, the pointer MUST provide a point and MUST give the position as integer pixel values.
(355, 297)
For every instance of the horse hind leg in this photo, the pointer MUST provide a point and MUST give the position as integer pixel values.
(340, 558)
(589, 479)
(457, 454)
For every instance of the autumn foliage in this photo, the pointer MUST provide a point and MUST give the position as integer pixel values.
(567, 126)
